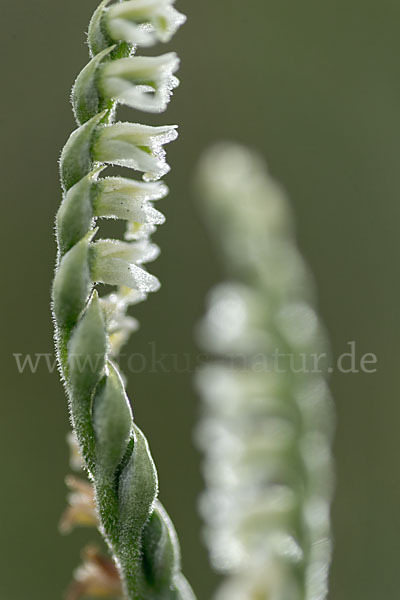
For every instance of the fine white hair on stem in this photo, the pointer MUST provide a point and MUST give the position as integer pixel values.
(90, 329)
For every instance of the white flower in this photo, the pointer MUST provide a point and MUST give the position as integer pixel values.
(119, 325)
(121, 198)
(143, 22)
(119, 331)
(119, 301)
(135, 146)
(137, 252)
(142, 82)
(114, 262)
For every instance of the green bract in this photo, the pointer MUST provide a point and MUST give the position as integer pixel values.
(91, 329)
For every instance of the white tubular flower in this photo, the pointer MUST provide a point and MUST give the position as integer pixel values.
(119, 325)
(268, 419)
(120, 198)
(119, 301)
(138, 231)
(135, 146)
(144, 22)
(138, 252)
(115, 263)
(142, 82)
(119, 331)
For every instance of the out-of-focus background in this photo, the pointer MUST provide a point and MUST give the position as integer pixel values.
(315, 86)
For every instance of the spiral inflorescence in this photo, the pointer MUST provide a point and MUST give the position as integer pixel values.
(91, 329)
(268, 418)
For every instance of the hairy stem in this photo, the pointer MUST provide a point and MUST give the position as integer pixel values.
(90, 329)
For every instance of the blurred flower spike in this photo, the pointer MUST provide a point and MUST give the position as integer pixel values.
(266, 434)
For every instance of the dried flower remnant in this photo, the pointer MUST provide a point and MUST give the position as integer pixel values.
(81, 509)
(97, 577)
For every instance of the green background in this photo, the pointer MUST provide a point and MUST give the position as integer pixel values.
(313, 85)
